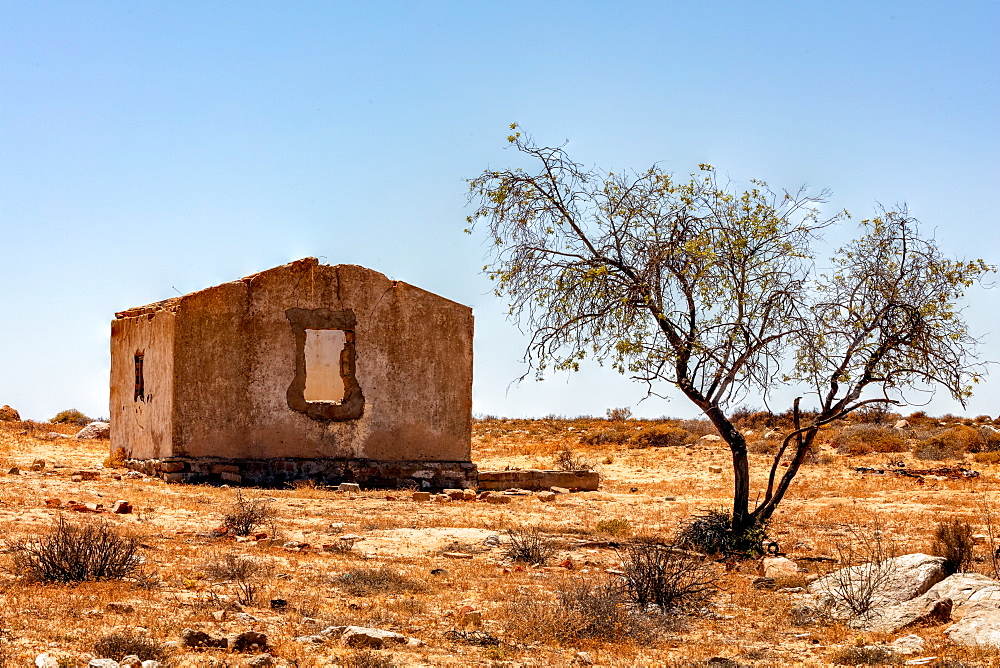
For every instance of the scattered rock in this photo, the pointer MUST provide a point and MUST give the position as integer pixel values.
(710, 438)
(349, 487)
(120, 608)
(442, 498)
(583, 659)
(911, 644)
(559, 490)
(963, 588)
(928, 609)
(901, 425)
(908, 576)
(247, 641)
(468, 495)
(763, 583)
(14, 471)
(494, 497)
(778, 568)
(121, 507)
(94, 430)
(360, 636)
(130, 661)
(46, 660)
(194, 638)
(103, 663)
(87, 475)
(38, 465)
(715, 469)
(979, 627)
(455, 494)
(421, 496)
(260, 660)
(8, 414)
(546, 497)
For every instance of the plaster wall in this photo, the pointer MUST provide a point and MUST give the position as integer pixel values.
(235, 358)
(143, 428)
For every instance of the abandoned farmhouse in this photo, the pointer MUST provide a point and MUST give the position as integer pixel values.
(332, 373)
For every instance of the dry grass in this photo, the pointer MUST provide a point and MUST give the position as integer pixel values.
(399, 578)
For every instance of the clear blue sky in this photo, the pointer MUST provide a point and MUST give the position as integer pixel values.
(155, 148)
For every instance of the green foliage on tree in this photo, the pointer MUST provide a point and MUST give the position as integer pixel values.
(716, 291)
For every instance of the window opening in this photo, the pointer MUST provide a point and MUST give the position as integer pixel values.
(140, 383)
(326, 364)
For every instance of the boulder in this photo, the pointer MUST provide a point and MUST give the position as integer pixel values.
(976, 628)
(778, 568)
(247, 641)
(360, 636)
(961, 587)
(8, 414)
(905, 578)
(928, 609)
(94, 430)
(911, 644)
(103, 663)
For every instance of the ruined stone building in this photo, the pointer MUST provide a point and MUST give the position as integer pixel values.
(331, 373)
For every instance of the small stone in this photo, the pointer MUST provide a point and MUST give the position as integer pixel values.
(710, 438)
(120, 608)
(151, 663)
(469, 495)
(715, 469)
(246, 641)
(246, 618)
(360, 636)
(559, 490)
(583, 659)
(309, 640)
(121, 507)
(46, 660)
(471, 618)
(497, 498)
(53, 503)
(779, 568)
(911, 644)
(261, 660)
(88, 475)
(442, 498)
(546, 497)
(220, 615)
(763, 583)
(421, 496)
(130, 661)
(455, 494)
(278, 604)
(349, 487)
(38, 465)
(15, 471)
(670, 498)
(103, 663)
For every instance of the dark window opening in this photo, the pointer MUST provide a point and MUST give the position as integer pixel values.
(140, 383)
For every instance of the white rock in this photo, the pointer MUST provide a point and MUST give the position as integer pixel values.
(103, 663)
(46, 660)
(94, 430)
(961, 587)
(911, 644)
(980, 628)
(778, 568)
(906, 577)
(361, 636)
(710, 438)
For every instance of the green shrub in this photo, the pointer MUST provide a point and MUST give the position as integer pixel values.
(617, 526)
(711, 532)
(71, 416)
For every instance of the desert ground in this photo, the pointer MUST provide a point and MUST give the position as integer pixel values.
(442, 573)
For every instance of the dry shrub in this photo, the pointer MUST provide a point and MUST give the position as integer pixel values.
(953, 541)
(617, 526)
(528, 545)
(367, 659)
(618, 414)
(77, 553)
(662, 436)
(666, 577)
(963, 438)
(71, 416)
(582, 610)
(116, 460)
(865, 556)
(864, 439)
(869, 655)
(246, 574)
(699, 428)
(246, 515)
(983, 419)
(987, 457)
(612, 436)
(764, 446)
(124, 643)
(567, 460)
(936, 448)
(382, 580)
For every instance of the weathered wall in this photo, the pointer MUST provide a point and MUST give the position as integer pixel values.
(235, 359)
(143, 428)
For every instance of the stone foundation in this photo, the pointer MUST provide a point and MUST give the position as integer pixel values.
(534, 479)
(368, 473)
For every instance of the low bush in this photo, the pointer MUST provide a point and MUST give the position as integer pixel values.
(124, 643)
(528, 545)
(77, 553)
(660, 436)
(246, 515)
(953, 541)
(867, 438)
(244, 573)
(618, 414)
(711, 532)
(666, 577)
(567, 460)
(382, 580)
(606, 437)
(366, 658)
(71, 416)
(618, 526)
(583, 609)
(936, 448)
(987, 457)
(869, 655)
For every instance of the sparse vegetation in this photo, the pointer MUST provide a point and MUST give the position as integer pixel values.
(119, 644)
(953, 541)
(244, 573)
(71, 416)
(382, 580)
(711, 532)
(567, 460)
(669, 578)
(77, 553)
(662, 437)
(529, 545)
(618, 526)
(246, 515)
